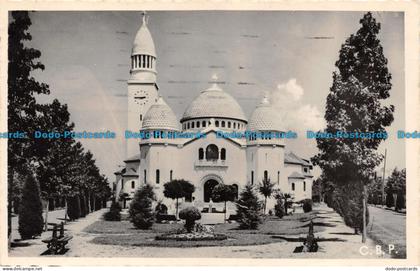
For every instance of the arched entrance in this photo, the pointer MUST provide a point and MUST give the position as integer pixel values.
(208, 189)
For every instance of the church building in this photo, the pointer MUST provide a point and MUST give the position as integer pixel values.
(207, 160)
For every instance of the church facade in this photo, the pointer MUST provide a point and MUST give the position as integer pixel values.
(209, 159)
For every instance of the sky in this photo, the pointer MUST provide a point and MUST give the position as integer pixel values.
(288, 54)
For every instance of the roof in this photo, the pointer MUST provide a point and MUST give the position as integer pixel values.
(265, 118)
(133, 158)
(143, 42)
(119, 172)
(130, 172)
(292, 158)
(214, 103)
(296, 175)
(160, 116)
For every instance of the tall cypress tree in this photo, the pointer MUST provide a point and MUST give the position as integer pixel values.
(354, 104)
(30, 214)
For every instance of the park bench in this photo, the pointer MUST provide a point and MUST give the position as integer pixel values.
(58, 241)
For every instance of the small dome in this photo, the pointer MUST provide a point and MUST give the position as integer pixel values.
(265, 118)
(214, 103)
(160, 116)
(143, 43)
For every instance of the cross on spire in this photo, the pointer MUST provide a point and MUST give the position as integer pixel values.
(144, 13)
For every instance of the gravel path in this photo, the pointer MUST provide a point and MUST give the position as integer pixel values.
(348, 248)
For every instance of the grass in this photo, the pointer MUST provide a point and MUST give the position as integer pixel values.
(123, 232)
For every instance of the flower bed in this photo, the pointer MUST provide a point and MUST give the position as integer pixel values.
(200, 233)
(193, 236)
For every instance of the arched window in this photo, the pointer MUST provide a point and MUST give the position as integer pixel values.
(304, 186)
(188, 125)
(235, 188)
(293, 186)
(192, 124)
(223, 154)
(203, 123)
(223, 123)
(212, 152)
(133, 184)
(228, 124)
(171, 174)
(217, 123)
(265, 175)
(145, 176)
(234, 125)
(252, 177)
(157, 176)
(278, 177)
(200, 154)
(198, 124)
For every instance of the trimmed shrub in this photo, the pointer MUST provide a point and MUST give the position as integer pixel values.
(248, 209)
(279, 206)
(141, 213)
(73, 208)
(114, 212)
(348, 202)
(190, 214)
(141, 221)
(31, 222)
(307, 205)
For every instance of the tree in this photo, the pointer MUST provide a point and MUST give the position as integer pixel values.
(141, 213)
(266, 189)
(286, 197)
(248, 209)
(396, 184)
(279, 206)
(375, 191)
(22, 106)
(176, 189)
(355, 105)
(223, 193)
(73, 207)
(317, 190)
(30, 214)
(114, 212)
(389, 200)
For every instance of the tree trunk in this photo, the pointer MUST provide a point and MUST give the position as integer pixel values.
(285, 206)
(364, 215)
(94, 203)
(46, 215)
(265, 204)
(225, 212)
(89, 206)
(65, 210)
(176, 213)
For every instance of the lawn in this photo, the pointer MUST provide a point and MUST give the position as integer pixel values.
(123, 233)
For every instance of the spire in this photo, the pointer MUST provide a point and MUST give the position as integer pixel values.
(265, 100)
(214, 81)
(144, 19)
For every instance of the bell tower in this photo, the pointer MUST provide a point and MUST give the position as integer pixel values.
(142, 87)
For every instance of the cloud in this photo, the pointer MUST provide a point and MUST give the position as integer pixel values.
(292, 88)
(295, 115)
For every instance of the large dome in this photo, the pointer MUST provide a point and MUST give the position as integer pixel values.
(160, 116)
(214, 103)
(143, 43)
(265, 118)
